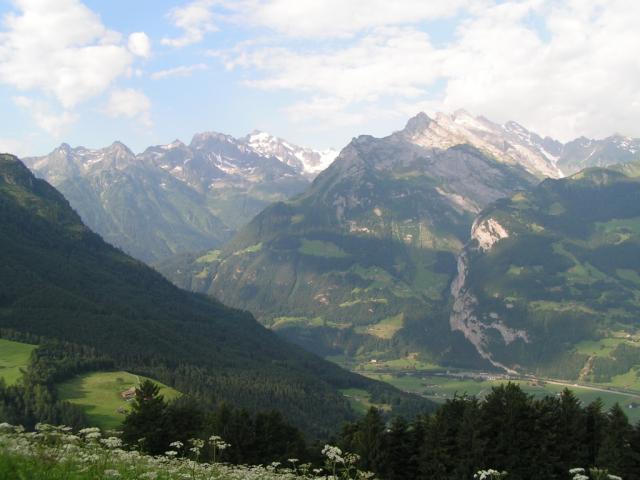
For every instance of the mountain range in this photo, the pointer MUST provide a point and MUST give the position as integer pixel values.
(178, 198)
(366, 261)
(374, 256)
(61, 281)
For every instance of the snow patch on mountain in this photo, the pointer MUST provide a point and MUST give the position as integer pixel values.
(304, 160)
(510, 143)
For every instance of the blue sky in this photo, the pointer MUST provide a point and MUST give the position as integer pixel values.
(316, 72)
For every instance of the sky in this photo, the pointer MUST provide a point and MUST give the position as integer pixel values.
(316, 72)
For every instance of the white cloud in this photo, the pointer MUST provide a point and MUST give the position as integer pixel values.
(387, 62)
(195, 19)
(51, 122)
(139, 44)
(582, 79)
(181, 71)
(338, 18)
(129, 103)
(562, 68)
(60, 48)
(327, 111)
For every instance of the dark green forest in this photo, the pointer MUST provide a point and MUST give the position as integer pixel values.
(508, 430)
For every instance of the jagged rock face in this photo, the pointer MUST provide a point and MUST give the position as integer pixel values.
(172, 198)
(359, 257)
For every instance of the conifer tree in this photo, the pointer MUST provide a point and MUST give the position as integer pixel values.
(145, 424)
(614, 453)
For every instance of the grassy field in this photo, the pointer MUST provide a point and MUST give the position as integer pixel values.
(13, 357)
(385, 328)
(99, 394)
(441, 388)
(209, 257)
(360, 400)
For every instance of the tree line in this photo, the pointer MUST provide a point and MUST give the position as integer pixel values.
(507, 430)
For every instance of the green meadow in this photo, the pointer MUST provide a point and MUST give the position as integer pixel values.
(99, 393)
(14, 356)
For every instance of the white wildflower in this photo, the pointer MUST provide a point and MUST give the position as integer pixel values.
(111, 442)
(333, 453)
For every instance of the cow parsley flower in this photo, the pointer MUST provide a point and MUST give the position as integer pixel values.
(111, 442)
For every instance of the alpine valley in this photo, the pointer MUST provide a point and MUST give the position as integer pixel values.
(456, 242)
(91, 308)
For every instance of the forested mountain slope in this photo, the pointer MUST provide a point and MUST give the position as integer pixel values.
(60, 280)
(551, 278)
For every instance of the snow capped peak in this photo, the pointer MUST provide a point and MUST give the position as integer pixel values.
(173, 145)
(304, 160)
(259, 136)
(511, 143)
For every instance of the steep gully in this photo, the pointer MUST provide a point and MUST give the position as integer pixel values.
(484, 234)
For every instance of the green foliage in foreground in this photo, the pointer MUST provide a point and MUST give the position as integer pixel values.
(55, 453)
(258, 439)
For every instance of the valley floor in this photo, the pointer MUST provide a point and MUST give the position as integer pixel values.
(440, 384)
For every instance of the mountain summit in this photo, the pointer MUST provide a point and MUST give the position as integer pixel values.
(509, 143)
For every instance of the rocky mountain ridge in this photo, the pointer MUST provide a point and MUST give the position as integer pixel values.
(176, 198)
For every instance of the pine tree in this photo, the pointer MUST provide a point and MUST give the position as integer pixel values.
(398, 452)
(615, 451)
(469, 442)
(145, 424)
(366, 439)
(594, 426)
